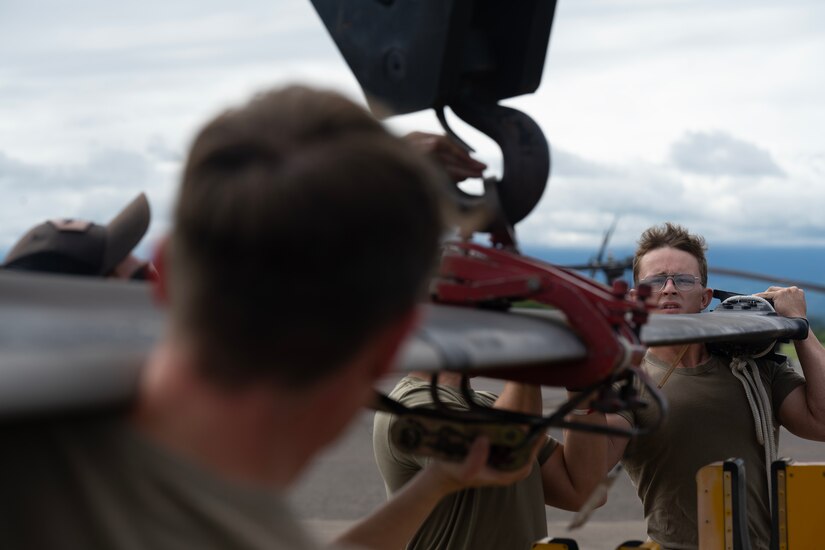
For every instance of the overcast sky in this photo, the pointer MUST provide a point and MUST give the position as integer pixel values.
(704, 112)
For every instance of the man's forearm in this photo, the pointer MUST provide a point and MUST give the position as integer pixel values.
(572, 473)
(585, 455)
(394, 523)
(811, 356)
(518, 397)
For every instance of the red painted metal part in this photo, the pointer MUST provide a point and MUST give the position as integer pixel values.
(605, 319)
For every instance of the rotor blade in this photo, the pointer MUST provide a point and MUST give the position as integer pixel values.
(71, 342)
(806, 285)
(73, 292)
(606, 239)
(664, 329)
(77, 342)
(581, 267)
(461, 338)
(625, 263)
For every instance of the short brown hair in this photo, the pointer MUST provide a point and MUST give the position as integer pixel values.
(302, 226)
(671, 235)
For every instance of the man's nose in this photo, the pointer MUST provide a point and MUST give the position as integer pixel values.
(670, 285)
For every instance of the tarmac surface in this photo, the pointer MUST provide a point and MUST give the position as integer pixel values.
(344, 485)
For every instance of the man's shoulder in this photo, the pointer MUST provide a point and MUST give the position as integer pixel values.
(774, 361)
(410, 391)
(771, 363)
(55, 428)
(47, 445)
(414, 392)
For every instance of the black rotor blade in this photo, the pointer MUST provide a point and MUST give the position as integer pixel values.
(76, 342)
(581, 267)
(623, 264)
(467, 339)
(684, 328)
(627, 263)
(805, 285)
(606, 239)
(72, 342)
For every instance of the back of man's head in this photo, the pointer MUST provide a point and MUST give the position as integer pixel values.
(302, 227)
(671, 235)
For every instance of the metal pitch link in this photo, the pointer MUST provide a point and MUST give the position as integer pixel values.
(510, 445)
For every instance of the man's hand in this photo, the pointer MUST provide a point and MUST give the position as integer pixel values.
(788, 302)
(457, 162)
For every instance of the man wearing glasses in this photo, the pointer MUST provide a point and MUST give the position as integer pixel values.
(710, 418)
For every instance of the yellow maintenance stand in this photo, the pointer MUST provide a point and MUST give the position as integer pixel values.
(552, 543)
(798, 505)
(722, 513)
(555, 543)
(637, 544)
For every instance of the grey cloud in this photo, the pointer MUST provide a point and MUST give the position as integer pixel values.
(11, 170)
(637, 189)
(93, 190)
(106, 168)
(158, 149)
(569, 164)
(154, 37)
(720, 154)
(575, 211)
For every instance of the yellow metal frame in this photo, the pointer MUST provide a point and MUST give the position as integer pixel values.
(713, 507)
(635, 545)
(722, 506)
(799, 505)
(798, 508)
(553, 543)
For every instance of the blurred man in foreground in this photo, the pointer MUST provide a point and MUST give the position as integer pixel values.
(303, 237)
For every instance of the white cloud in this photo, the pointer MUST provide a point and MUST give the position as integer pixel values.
(95, 189)
(655, 109)
(718, 153)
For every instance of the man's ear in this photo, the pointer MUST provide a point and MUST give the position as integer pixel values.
(707, 296)
(160, 284)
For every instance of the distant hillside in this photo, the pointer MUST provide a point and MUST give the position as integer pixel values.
(807, 264)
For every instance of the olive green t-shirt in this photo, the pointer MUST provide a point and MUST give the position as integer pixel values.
(98, 484)
(709, 420)
(511, 517)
